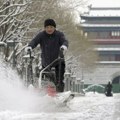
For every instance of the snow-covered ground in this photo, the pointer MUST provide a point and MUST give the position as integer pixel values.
(18, 103)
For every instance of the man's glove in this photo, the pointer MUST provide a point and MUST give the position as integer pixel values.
(63, 48)
(28, 48)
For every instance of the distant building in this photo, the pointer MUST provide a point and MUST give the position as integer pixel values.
(102, 25)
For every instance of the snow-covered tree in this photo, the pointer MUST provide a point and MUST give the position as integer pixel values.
(13, 23)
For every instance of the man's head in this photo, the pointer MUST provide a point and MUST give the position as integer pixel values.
(49, 26)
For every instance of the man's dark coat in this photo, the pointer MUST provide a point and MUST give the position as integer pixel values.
(50, 45)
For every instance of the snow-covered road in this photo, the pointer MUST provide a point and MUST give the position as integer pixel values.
(18, 103)
(90, 107)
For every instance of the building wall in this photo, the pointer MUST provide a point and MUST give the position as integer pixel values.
(102, 74)
(103, 27)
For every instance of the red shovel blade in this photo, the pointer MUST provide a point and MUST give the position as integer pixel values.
(51, 91)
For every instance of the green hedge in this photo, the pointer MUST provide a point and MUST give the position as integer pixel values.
(100, 89)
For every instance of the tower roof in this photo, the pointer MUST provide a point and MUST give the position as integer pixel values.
(102, 12)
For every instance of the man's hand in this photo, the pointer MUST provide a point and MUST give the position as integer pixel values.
(63, 48)
(28, 48)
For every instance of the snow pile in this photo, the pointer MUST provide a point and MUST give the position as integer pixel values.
(15, 97)
(94, 106)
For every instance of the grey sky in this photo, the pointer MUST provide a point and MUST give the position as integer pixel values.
(105, 3)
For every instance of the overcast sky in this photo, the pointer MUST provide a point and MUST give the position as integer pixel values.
(100, 3)
(105, 3)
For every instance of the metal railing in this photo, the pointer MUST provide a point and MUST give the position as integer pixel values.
(73, 84)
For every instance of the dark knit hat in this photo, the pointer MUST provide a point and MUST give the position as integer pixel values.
(50, 22)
